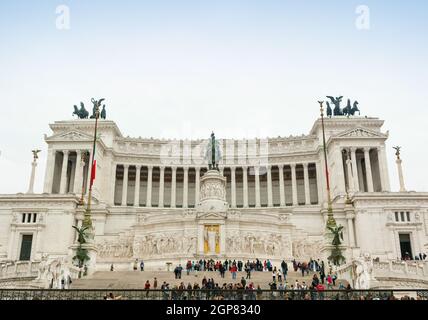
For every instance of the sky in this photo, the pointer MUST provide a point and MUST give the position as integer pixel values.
(179, 69)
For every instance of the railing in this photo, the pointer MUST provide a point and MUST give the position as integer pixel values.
(19, 269)
(213, 294)
(409, 268)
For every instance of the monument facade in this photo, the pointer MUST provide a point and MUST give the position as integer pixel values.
(162, 201)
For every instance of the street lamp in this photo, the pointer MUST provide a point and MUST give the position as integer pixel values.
(331, 222)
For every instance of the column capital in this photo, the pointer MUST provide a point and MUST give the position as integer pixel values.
(150, 166)
(280, 166)
(305, 164)
(197, 169)
(353, 149)
(138, 167)
(126, 166)
(244, 167)
(162, 168)
(185, 169)
(232, 169)
(66, 152)
(350, 215)
(293, 165)
(269, 167)
(366, 149)
(174, 168)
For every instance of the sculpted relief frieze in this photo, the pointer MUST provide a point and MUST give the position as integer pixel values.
(270, 244)
(119, 247)
(165, 243)
(303, 248)
(213, 189)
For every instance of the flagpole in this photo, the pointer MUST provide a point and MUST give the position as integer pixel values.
(87, 222)
(331, 222)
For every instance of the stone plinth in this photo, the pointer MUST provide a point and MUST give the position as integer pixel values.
(212, 196)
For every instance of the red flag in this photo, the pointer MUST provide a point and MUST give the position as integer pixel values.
(94, 166)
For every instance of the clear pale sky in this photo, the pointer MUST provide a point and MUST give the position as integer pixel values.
(183, 68)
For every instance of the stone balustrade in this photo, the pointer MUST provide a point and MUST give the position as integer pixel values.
(19, 269)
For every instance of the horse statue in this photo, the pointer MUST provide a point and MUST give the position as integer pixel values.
(347, 110)
(354, 109)
(329, 111)
(82, 113)
(336, 101)
(103, 112)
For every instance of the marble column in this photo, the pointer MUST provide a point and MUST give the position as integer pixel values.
(149, 186)
(281, 185)
(400, 175)
(320, 182)
(269, 186)
(257, 183)
(306, 179)
(185, 187)
(245, 185)
(78, 178)
(233, 185)
(173, 186)
(360, 175)
(50, 166)
(383, 162)
(112, 182)
(294, 184)
(351, 235)
(32, 176)
(161, 185)
(355, 169)
(197, 183)
(125, 185)
(63, 184)
(137, 186)
(368, 169)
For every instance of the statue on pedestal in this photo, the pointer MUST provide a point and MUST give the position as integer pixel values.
(213, 153)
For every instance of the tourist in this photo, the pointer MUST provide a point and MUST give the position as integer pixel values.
(111, 267)
(334, 278)
(248, 270)
(279, 275)
(329, 282)
(315, 280)
(243, 282)
(322, 275)
(234, 270)
(180, 269)
(155, 283)
(135, 264)
(284, 268)
(273, 276)
(188, 267)
(147, 287)
(142, 265)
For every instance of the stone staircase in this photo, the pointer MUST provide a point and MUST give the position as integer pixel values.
(137, 279)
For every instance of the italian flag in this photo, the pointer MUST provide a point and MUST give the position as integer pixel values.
(94, 167)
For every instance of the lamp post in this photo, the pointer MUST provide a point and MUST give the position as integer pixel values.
(87, 221)
(331, 222)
